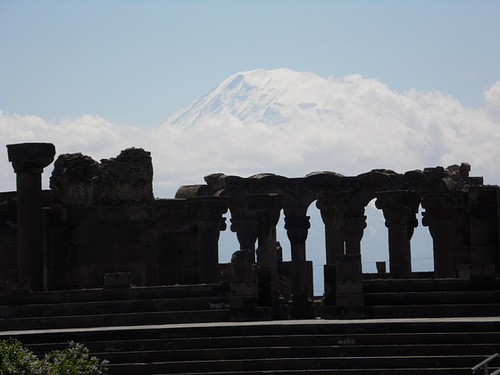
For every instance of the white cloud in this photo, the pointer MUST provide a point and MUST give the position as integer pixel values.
(492, 96)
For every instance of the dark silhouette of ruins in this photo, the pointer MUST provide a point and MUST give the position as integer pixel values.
(100, 226)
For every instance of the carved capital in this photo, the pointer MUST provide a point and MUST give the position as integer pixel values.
(297, 228)
(399, 207)
(31, 157)
(267, 208)
(336, 207)
(246, 230)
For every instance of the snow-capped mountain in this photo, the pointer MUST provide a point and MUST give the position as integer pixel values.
(269, 97)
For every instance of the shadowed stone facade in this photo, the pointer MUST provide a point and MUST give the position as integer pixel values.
(100, 221)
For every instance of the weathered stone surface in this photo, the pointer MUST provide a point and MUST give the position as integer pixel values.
(126, 178)
(72, 180)
(117, 280)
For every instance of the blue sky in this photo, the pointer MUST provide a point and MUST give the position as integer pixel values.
(138, 62)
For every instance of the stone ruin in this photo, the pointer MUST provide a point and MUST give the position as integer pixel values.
(99, 225)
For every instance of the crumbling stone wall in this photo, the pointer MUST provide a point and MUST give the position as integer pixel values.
(72, 180)
(105, 220)
(126, 178)
(78, 180)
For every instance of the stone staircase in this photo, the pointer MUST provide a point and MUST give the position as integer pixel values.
(414, 298)
(440, 327)
(114, 307)
(399, 346)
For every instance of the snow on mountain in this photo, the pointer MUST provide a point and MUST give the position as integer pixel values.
(269, 97)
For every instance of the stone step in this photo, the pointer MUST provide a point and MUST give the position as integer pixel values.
(430, 285)
(299, 351)
(432, 298)
(330, 331)
(433, 311)
(350, 343)
(100, 294)
(300, 363)
(384, 371)
(114, 319)
(113, 307)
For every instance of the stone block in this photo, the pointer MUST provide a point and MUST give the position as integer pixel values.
(349, 275)
(117, 280)
(150, 253)
(482, 270)
(129, 233)
(484, 254)
(138, 214)
(350, 299)
(303, 311)
(82, 215)
(149, 235)
(464, 270)
(243, 289)
(127, 252)
(249, 302)
(242, 270)
(225, 273)
(83, 235)
(111, 214)
(105, 234)
(190, 275)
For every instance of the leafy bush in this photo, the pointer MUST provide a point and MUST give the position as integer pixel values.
(15, 359)
(75, 359)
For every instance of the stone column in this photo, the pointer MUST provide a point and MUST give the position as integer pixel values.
(246, 230)
(349, 296)
(344, 224)
(208, 213)
(330, 204)
(353, 225)
(400, 209)
(297, 228)
(441, 209)
(267, 210)
(28, 160)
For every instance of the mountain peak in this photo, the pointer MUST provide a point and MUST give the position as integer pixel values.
(256, 96)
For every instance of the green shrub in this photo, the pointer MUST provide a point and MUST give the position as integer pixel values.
(75, 359)
(15, 359)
